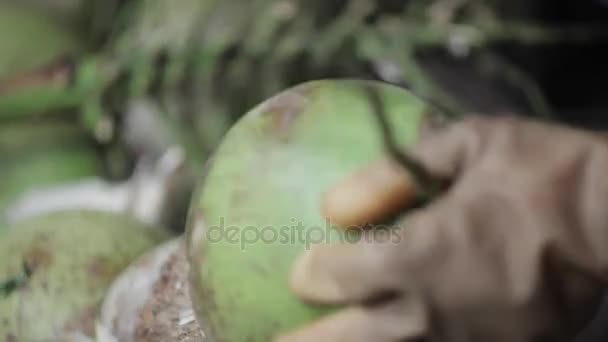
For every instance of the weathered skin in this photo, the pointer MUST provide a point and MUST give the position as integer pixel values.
(271, 171)
(149, 301)
(74, 256)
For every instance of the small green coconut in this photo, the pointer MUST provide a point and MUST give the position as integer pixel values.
(259, 205)
(55, 270)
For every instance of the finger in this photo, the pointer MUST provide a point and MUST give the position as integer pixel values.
(384, 188)
(393, 322)
(374, 267)
(444, 153)
(370, 195)
(345, 273)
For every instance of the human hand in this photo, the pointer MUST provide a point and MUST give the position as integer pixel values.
(516, 249)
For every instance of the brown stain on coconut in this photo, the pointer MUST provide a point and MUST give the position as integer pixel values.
(285, 108)
(101, 269)
(38, 257)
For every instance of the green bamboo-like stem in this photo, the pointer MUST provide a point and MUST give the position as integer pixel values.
(38, 100)
(51, 95)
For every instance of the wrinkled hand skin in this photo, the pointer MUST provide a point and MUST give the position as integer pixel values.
(515, 250)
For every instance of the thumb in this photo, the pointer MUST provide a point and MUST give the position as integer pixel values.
(384, 188)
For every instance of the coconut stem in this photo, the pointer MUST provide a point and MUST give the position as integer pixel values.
(427, 185)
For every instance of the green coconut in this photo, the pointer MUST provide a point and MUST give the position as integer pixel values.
(259, 205)
(55, 270)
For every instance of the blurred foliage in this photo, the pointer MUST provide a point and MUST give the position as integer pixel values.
(29, 38)
(200, 64)
(42, 168)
